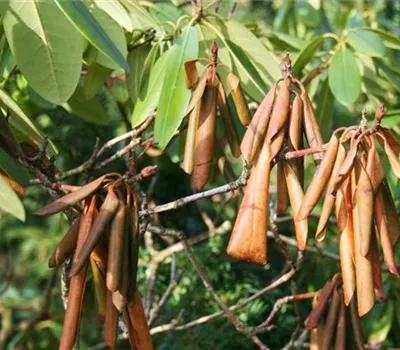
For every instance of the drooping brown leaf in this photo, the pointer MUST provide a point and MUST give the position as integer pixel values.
(374, 166)
(320, 180)
(376, 268)
(71, 199)
(111, 323)
(255, 133)
(229, 125)
(238, 98)
(134, 242)
(346, 243)
(100, 288)
(313, 133)
(364, 274)
(331, 321)
(191, 75)
(340, 340)
(391, 213)
(296, 121)
(191, 139)
(322, 303)
(204, 147)
(296, 197)
(383, 223)
(280, 111)
(65, 248)
(139, 334)
(249, 235)
(277, 142)
(329, 200)
(355, 324)
(282, 195)
(197, 93)
(116, 247)
(106, 214)
(391, 152)
(365, 205)
(77, 283)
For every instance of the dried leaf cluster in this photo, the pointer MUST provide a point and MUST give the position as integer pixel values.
(208, 95)
(105, 237)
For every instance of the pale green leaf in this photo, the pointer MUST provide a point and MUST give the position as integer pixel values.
(367, 42)
(141, 18)
(89, 110)
(77, 12)
(20, 121)
(174, 95)
(344, 76)
(391, 41)
(46, 47)
(9, 201)
(116, 11)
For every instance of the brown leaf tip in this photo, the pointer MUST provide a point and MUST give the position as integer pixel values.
(380, 112)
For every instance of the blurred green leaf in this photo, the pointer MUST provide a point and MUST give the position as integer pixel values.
(381, 322)
(391, 41)
(174, 95)
(307, 14)
(9, 201)
(141, 18)
(90, 110)
(86, 23)
(325, 109)
(306, 54)
(151, 91)
(390, 74)
(95, 79)
(366, 42)
(13, 169)
(116, 11)
(51, 66)
(344, 76)
(165, 11)
(23, 123)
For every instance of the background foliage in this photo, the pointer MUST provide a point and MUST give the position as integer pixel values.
(62, 74)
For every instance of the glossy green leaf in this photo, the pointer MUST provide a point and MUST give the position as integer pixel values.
(392, 77)
(306, 54)
(9, 201)
(151, 91)
(95, 79)
(20, 121)
(266, 64)
(344, 76)
(46, 47)
(136, 60)
(366, 42)
(116, 11)
(77, 12)
(89, 110)
(174, 95)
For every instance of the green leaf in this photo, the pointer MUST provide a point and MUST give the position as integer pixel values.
(290, 40)
(266, 64)
(9, 201)
(164, 11)
(80, 16)
(381, 323)
(390, 74)
(13, 169)
(141, 18)
(307, 14)
(89, 110)
(116, 11)
(325, 109)
(306, 54)
(46, 47)
(20, 121)
(95, 79)
(136, 60)
(7, 60)
(151, 91)
(251, 81)
(366, 42)
(391, 41)
(344, 76)
(174, 95)
(113, 31)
